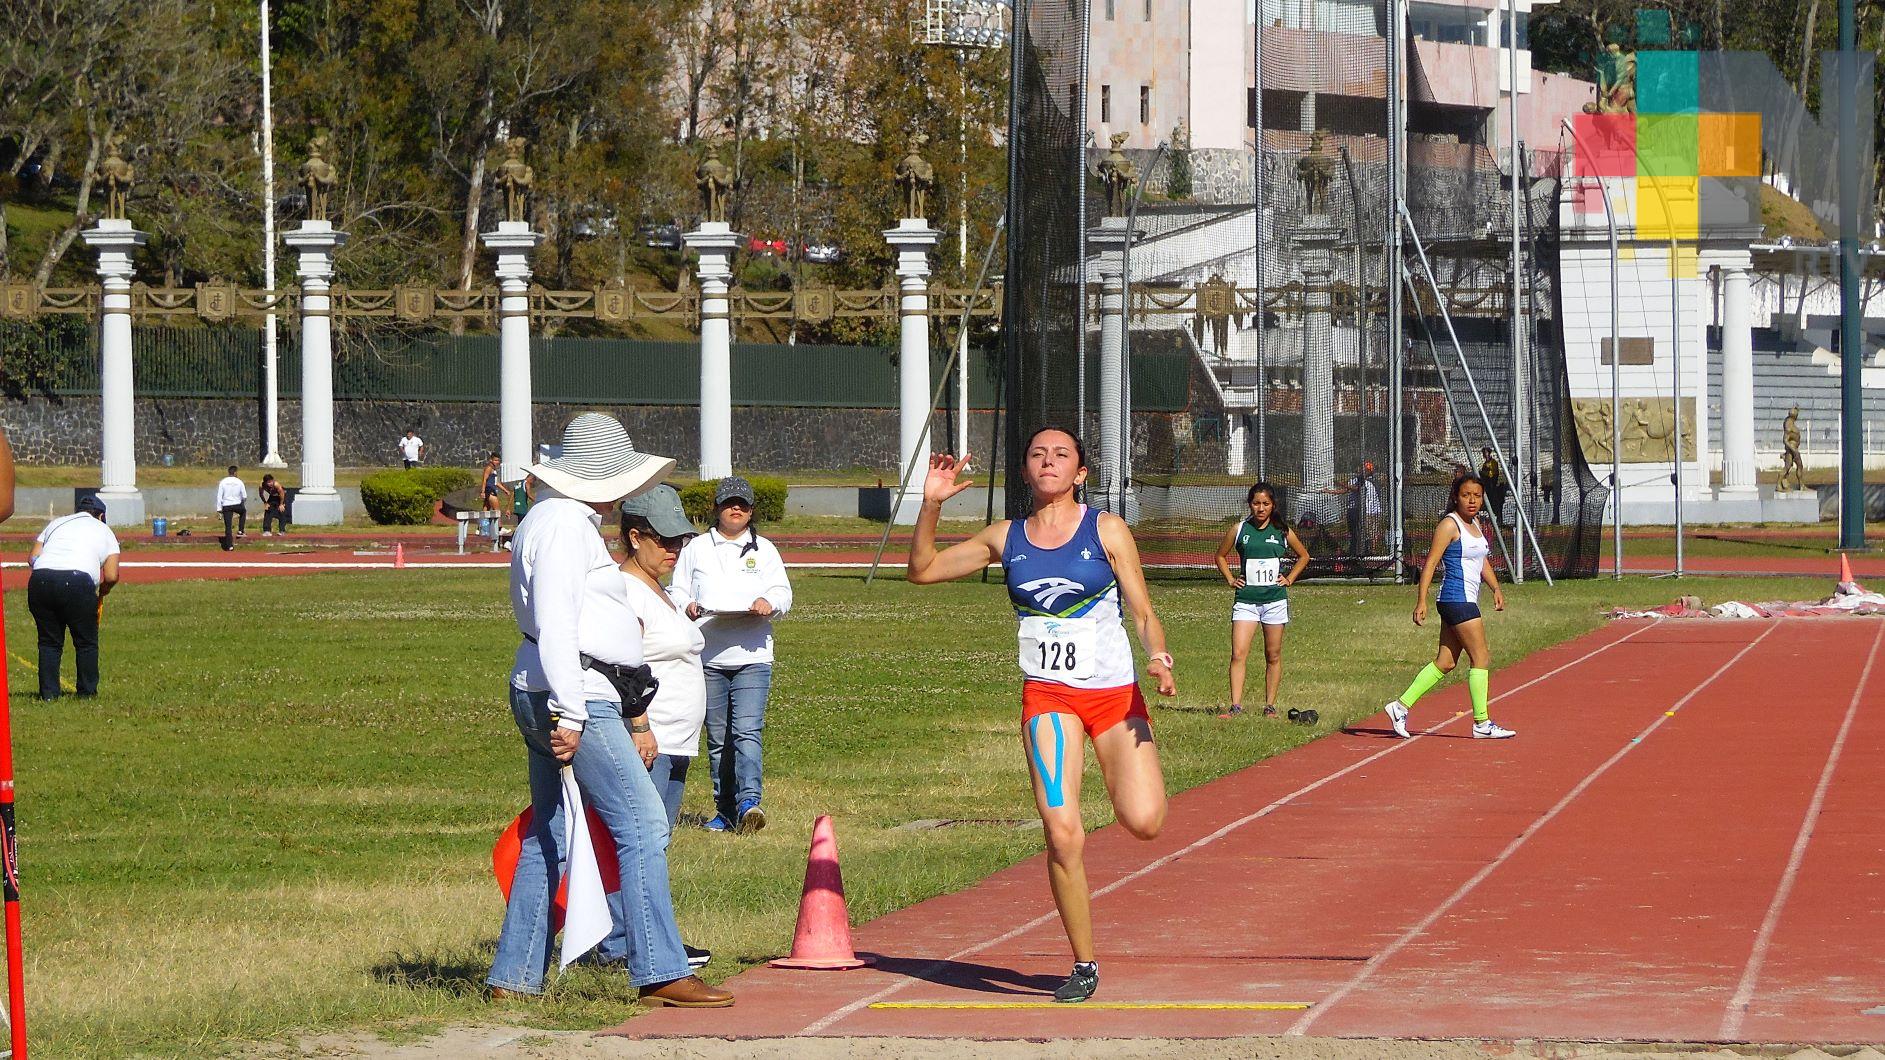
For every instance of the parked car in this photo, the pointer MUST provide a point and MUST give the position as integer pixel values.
(822, 253)
(762, 245)
(664, 237)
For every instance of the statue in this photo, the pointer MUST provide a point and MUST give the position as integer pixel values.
(714, 180)
(119, 176)
(915, 177)
(514, 178)
(1790, 463)
(317, 176)
(1616, 82)
(1315, 169)
(1181, 137)
(1119, 174)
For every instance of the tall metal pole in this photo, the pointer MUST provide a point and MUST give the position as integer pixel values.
(1515, 471)
(1392, 275)
(1085, 133)
(271, 388)
(1256, 247)
(962, 248)
(1675, 357)
(1851, 352)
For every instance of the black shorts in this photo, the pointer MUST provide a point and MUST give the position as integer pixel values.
(1456, 612)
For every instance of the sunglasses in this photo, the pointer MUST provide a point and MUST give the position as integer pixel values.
(670, 544)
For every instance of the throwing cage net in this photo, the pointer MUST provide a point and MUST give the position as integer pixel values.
(1264, 270)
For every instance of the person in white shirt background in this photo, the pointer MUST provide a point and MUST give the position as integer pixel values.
(733, 582)
(411, 449)
(75, 566)
(231, 496)
(580, 637)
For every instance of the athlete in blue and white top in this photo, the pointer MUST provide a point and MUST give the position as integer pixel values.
(1073, 577)
(1460, 548)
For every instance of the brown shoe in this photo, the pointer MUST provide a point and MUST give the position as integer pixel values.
(498, 993)
(686, 993)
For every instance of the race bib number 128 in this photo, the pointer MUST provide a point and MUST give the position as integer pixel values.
(1058, 649)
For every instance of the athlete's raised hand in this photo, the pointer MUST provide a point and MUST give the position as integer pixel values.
(942, 482)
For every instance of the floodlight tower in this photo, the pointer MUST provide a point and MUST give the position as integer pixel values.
(964, 26)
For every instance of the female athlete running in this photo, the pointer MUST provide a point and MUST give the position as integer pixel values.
(1462, 548)
(1260, 544)
(1070, 570)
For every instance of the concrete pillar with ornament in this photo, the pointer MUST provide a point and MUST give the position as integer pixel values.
(512, 242)
(316, 503)
(115, 241)
(912, 239)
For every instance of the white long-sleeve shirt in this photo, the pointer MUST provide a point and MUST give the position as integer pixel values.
(230, 492)
(567, 592)
(728, 574)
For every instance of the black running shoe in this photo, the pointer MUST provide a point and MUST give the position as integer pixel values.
(1080, 985)
(697, 958)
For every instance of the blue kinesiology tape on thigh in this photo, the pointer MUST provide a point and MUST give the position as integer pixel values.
(1050, 782)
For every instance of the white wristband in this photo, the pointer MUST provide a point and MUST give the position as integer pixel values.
(1163, 657)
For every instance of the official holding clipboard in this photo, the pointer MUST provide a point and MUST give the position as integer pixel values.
(733, 583)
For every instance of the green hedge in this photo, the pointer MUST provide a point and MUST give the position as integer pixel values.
(409, 497)
(768, 506)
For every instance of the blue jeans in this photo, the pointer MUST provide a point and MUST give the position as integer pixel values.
(669, 774)
(614, 784)
(736, 715)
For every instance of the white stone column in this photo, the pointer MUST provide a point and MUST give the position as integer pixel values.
(1737, 381)
(1237, 438)
(1106, 252)
(115, 240)
(913, 239)
(316, 503)
(513, 241)
(1315, 238)
(715, 241)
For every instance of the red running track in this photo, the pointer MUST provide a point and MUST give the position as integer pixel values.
(1616, 872)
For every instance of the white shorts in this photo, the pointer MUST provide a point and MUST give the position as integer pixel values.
(1274, 613)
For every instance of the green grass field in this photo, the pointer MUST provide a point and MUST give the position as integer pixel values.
(278, 814)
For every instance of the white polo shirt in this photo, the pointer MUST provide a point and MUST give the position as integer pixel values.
(409, 447)
(230, 492)
(76, 542)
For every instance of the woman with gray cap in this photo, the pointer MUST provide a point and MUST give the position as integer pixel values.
(577, 694)
(654, 530)
(733, 582)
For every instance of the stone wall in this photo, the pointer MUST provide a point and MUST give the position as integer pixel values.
(211, 432)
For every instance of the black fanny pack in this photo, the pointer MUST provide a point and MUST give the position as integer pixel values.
(635, 684)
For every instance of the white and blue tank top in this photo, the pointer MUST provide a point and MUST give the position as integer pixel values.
(1462, 564)
(1067, 602)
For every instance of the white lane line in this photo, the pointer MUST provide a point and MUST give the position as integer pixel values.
(1368, 968)
(1744, 994)
(820, 1025)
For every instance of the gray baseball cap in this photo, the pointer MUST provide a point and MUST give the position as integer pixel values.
(661, 506)
(733, 487)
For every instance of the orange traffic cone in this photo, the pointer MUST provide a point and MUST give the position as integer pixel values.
(823, 938)
(1845, 568)
(399, 556)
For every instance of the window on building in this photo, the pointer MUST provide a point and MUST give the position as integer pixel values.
(1110, 5)
(1106, 104)
(1145, 104)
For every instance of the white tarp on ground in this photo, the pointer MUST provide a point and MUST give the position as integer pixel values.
(1849, 598)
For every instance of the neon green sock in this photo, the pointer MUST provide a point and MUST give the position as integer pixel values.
(1476, 682)
(1424, 681)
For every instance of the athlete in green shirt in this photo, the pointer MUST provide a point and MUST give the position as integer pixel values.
(1260, 544)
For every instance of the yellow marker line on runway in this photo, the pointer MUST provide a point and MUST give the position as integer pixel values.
(1209, 1006)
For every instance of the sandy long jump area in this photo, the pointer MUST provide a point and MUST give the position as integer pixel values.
(1685, 843)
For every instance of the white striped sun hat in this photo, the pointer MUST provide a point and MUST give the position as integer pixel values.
(597, 463)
